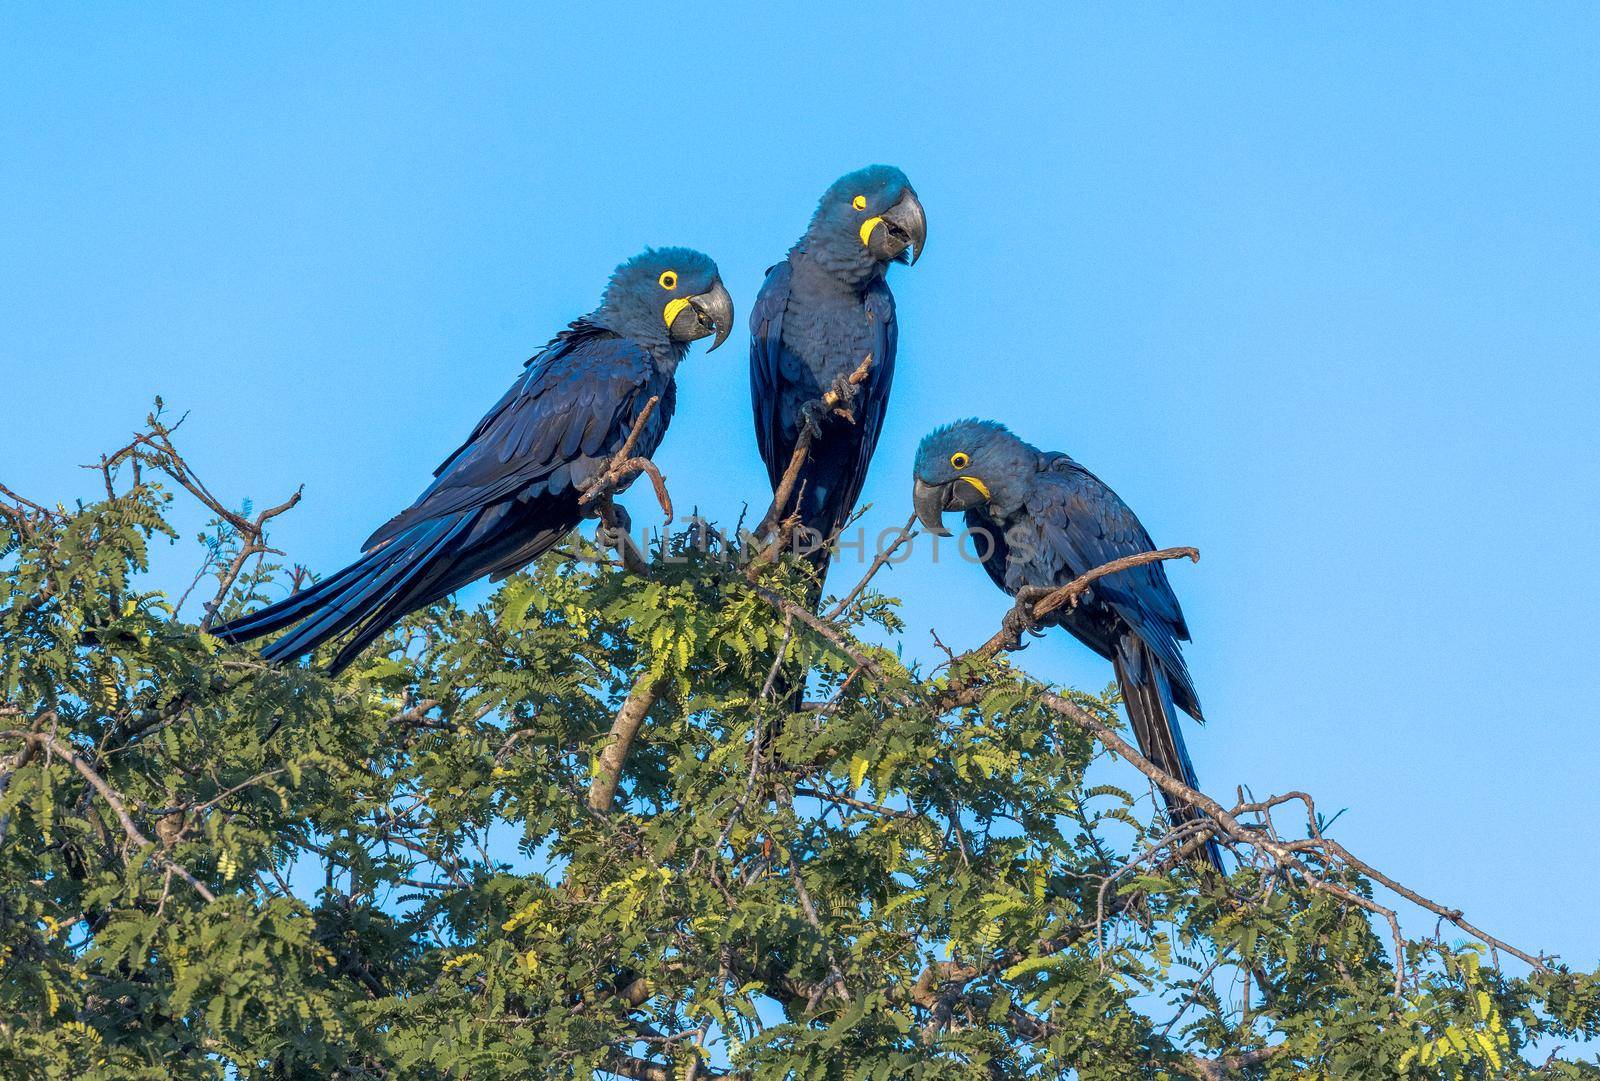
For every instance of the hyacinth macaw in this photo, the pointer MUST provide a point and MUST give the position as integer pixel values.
(820, 313)
(1040, 520)
(512, 490)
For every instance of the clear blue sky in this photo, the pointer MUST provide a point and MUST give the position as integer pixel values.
(1316, 288)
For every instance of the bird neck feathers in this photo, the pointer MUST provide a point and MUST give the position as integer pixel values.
(823, 266)
(649, 335)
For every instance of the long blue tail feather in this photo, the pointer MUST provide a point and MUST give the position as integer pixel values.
(1147, 694)
(374, 590)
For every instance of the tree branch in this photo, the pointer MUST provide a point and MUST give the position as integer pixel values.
(646, 691)
(113, 800)
(837, 639)
(641, 1069)
(1027, 612)
(1286, 854)
(836, 400)
(1223, 1067)
(155, 448)
(624, 467)
(882, 560)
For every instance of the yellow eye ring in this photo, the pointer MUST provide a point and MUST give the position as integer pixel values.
(959, 460)
(859, 202)
(668, 279)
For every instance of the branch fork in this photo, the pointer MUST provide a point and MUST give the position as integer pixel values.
(624, 467)
(620, 471)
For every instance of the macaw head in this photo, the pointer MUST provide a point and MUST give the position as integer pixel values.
(667, 296)
(968, 464)
(867, 220)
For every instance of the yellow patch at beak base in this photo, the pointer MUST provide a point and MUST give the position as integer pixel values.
(983, 489)
(670, 312)
(866, 230)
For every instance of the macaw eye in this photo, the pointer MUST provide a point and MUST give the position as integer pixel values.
(959, 460)
(859, 202)
(668, 279)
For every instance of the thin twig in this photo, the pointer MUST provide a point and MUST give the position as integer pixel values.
(883, 559)
(1025, 614)
(114, 801)
(789, 608)
(1285, 853)
(809, 910)
(847, 801)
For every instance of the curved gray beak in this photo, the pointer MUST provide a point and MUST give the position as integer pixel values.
(906, 229)
(928, 501)
(713, 313)
(931, 501)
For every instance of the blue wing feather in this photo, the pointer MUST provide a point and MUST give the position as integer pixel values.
(1083, 524)
(572, 398)
(499, 501)
(880, 378)
(1070, 522)
(766, 351)
(780, 381)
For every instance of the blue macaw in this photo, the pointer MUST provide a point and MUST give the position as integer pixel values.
(1039, 520)
(820, 313)
(512, 490)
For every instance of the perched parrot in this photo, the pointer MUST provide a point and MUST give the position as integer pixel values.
(1039, 520)
(820, 313)
(511, 491)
